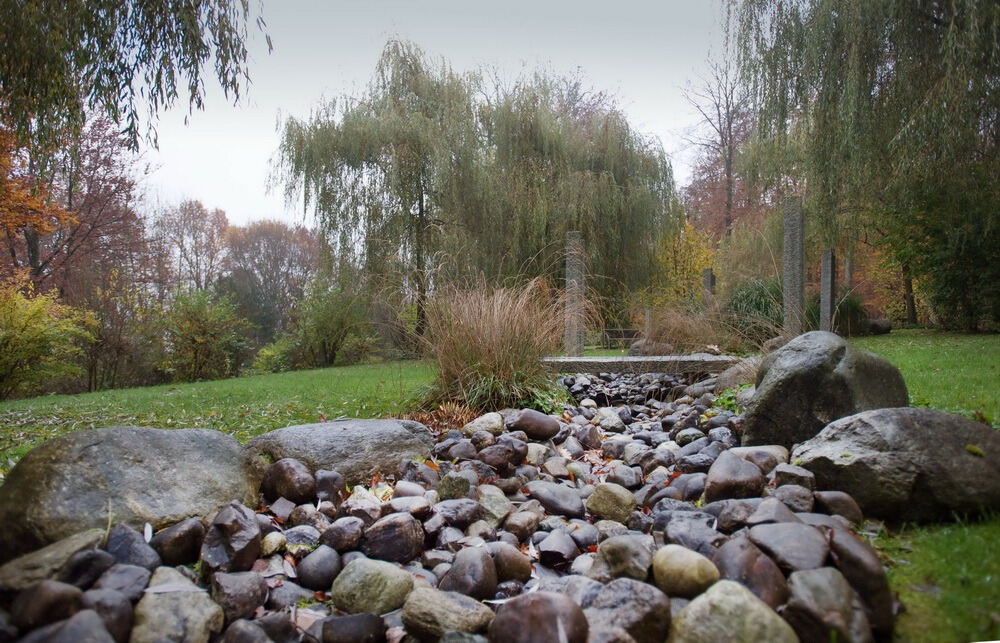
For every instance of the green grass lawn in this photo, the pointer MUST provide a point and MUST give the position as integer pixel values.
(953, 372)
(947, 576)
(242, 407)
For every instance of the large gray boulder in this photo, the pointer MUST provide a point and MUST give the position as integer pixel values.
(908, 464)
(141, 475)
(813, 380)
(357, 449)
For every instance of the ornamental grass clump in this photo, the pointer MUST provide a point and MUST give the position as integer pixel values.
(488, 342)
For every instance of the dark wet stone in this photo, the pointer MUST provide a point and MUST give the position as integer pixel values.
(244, 631)
(498, 456)
(557, 498)
(278, 628)
(232, 541)
(180, 543)
(539, 617)
(792, 474)
(794, 546)
(771, 510)
(288, 594)
(839, 503)
(583, 533)
(742, 561)
(365, 507)
(473, 574)
(47, 602)
(113, 607)
(397, 537)
(627, 556)
(522, 524)
(636, 607)
(344, 534)
(691, 529)
(129, 547)
(355, 628)
(462, 450)
(733, 477)
(535, 425)
(510, 563)
(460, 512)
(695, 463)
(822, 607)
(239, 594)
(300, 540)
(416, 506)
(330, 485)
(291, 479)
(557, 549)
(84, 626)
(84, 567)
(130, 580)
(732, 514)
(797, 498)
(519, 447)
(318, 570)
(863, 569)
(309, 515)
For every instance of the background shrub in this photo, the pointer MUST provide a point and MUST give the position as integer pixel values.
(205, 337)
(488, 342)
(41, 340)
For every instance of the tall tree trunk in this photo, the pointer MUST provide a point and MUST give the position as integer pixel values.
(908, 298)
(729, 190)
(418, 252)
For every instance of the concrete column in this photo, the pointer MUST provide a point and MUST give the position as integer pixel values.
(794, 265)
(827, 289)
(707, 285)
(575, 288)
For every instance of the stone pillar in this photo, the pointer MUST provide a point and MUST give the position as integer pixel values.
(794, 266)
(707, 285)
(575, 286)
(827, 289)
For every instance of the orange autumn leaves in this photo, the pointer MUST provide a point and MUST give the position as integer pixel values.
(25, 201)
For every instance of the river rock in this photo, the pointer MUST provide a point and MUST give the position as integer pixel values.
(113, 607)
(863, 569)
(813, 380)
(727, 611)
(472, 573)
(84, 567)
(130, 580)
(558, 499)
(539, 617)
(730, 476)
(510, 563)
(129, 548)
(83, 627)
(185, 613)
(358, 449)
(179, 544)
(626, 556)
(344, 534)
(147, 475)
(491, 423)
(239, 593)
(429, 613)
(397, 537)
(318, 569)
(838, 503)
(679, 571)
(29, 569)
(290, 479)
(742, 561)
(636, 607)
(908, 464)
(794, 546)
(611, 501)
(47, 602)
(535, 425)
(366, 585)
(822, 607)
(232, 541)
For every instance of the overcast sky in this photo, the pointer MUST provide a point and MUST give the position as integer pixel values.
(644, 52)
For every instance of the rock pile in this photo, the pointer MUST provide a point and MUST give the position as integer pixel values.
(633, 515)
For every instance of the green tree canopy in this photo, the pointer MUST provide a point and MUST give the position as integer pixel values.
(443, 176)
(61, 58)
(889, 110)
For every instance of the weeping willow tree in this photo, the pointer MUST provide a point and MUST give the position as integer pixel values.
(373, 168)
(557, 158)
(450, 178)
(888, 112)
